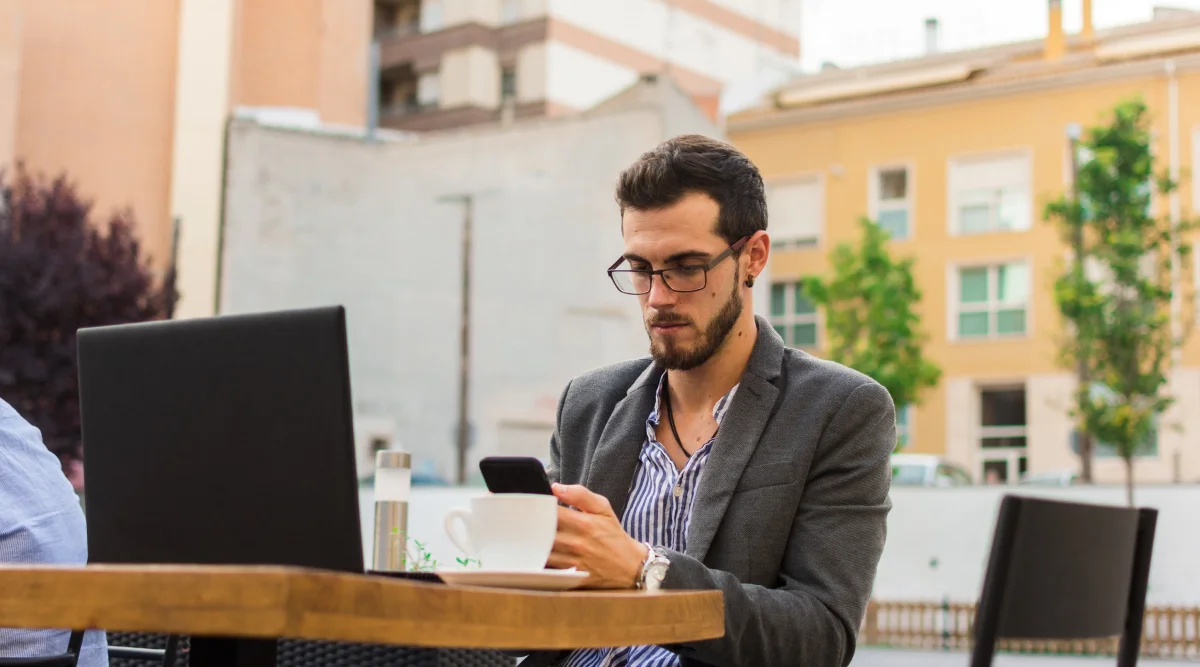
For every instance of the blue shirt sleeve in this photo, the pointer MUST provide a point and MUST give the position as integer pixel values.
(41, 522)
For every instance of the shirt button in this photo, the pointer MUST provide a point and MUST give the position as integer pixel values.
(678, 491)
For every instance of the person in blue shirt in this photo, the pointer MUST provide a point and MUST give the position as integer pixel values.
(40, 522)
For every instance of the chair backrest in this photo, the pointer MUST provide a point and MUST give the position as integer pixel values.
(1062, 570)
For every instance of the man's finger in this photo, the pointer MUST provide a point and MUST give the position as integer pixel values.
(578, 496)
(571, 521)
(558, 561)
(566, 545)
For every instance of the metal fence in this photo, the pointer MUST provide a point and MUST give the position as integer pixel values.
(1169, 632)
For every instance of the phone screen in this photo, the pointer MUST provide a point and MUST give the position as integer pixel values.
(515, 474)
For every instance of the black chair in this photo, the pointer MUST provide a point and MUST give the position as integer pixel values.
(1067, 571)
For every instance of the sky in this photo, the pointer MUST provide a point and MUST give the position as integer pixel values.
(855, 32)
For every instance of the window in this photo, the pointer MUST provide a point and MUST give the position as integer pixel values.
(904, 427)
(993, 300)
(797, 213)
(510, 12)
(428, 89)
(508, 83)
(990, 195)
(891, 205)
(793, 315)
(1003, 434)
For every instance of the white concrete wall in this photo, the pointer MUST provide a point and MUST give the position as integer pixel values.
(677, 35)
(954, 528)
(531, 73)
(317, 219)
(579, 79)
(938, 539)
(783, 14)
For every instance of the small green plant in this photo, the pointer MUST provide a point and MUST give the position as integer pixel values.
(418, 558)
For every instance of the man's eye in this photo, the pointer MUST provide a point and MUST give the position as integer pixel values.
(690, 270)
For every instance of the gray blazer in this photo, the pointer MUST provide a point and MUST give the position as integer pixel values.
(790, 515)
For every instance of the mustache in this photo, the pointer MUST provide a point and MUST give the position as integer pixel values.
(667, 319)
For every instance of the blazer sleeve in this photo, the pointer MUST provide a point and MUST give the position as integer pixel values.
(554, 471)
(832, 554)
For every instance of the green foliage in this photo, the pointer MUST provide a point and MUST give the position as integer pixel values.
(1117, 299)
(420, 560)
(872, 328)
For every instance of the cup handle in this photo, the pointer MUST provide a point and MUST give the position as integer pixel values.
(461, 540)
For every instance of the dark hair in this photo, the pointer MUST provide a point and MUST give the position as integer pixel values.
(694, 163)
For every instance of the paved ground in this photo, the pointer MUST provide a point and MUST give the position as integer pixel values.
(878, 657)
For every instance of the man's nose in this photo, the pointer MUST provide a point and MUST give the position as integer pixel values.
(660, 295)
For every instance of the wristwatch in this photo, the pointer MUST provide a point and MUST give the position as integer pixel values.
(654, 569)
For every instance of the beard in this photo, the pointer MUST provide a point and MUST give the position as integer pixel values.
(682, 357)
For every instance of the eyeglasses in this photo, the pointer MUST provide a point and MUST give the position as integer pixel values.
(677, 278)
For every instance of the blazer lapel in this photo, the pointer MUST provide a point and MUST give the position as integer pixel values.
(615, 460)
(736, 440)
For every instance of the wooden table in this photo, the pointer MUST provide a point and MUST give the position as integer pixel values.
(230, 610)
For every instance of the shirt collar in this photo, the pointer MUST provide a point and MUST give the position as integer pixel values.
(719, 410)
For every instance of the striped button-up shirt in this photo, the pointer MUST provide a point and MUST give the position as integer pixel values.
(40, 522)
(658, 512)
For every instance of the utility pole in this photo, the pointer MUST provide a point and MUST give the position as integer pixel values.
(464, 372)
(1074, 132)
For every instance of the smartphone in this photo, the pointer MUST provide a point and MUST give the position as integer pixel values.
(514, 474)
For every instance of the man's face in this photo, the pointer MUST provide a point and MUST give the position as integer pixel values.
(685, 328)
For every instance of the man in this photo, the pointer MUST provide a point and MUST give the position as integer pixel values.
(40, 522)
(726, 460)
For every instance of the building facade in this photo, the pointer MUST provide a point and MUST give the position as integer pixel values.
(957, 154)
(130, 98)
(320, 217)
(448, 63)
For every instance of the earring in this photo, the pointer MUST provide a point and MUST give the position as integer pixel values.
(749, 281)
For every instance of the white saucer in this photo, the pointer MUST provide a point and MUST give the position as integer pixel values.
(536, 580)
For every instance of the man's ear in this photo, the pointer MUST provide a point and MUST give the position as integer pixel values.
(756, 250)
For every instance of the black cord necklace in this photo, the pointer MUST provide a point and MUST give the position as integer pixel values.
(671, 419)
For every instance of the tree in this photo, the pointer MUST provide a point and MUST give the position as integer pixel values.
(1116, 294)
(868, 305)
(59, 272)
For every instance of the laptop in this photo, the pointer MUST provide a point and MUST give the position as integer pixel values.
(221, 440)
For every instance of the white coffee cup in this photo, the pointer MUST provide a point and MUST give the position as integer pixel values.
(506, 531)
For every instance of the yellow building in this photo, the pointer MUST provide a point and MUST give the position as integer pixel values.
(957, 154)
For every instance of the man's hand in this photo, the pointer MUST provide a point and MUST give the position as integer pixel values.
(592, 540)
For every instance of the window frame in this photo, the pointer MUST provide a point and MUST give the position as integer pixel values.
(954, 306)
(875, 203)
(818, 241)
(515, 81)
(791, 318)
(909, 429)
(955, 199)
(1011, 456)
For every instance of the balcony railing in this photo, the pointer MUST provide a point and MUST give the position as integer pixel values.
(407, 29)
(1168, 632)
(407, 108)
